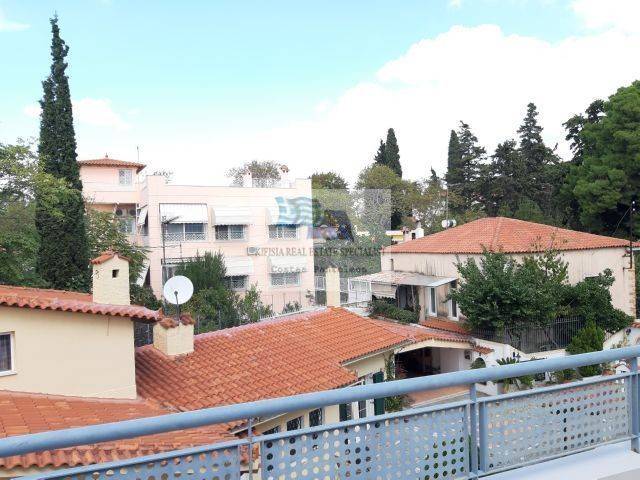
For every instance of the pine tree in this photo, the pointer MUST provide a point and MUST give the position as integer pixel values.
(468, 156)
(63, 252)
(392, 153)
(379, 157)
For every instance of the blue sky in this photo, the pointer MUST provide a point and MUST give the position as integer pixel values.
(208, 84)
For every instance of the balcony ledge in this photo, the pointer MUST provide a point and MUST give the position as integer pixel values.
(609, 462)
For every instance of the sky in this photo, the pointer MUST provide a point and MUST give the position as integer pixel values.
(201, 86)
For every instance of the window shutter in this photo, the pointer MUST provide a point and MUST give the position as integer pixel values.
(343, 412)
(378, 403)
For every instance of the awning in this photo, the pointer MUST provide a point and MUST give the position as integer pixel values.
(142, 216)
(143, 273)
(231, 215)
(383, 290)
(394, 277)
(288, 264)
(184, 212)
(238, 266)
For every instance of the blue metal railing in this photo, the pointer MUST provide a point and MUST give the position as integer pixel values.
(465, 439)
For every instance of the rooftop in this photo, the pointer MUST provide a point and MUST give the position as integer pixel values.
(111, 162)
(22, 413)
(506, 235)
(64, 301)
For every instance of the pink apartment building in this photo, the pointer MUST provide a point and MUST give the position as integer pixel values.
(264, 233)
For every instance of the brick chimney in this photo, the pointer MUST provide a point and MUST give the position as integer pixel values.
(174, 338)
(110, 278)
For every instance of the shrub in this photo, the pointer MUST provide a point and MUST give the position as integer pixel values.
(143, 295)
(589, 339)
(385, 309)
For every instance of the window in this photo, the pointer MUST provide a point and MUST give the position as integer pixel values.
(229, 232)
(114, 273)
(184, 232)
(294, 424)
(288, 279)
(127, 225)
(125, 177)
(281, 232)
(271, 431)
(392, 264)
(6, 352)
(362, 409)
(345, 412)
(315, 417)
(453, 308)
(237, 282)
(433, 301)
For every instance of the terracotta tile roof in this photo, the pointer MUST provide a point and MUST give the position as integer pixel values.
(445, 324)
(482, 349)
(108, 255)
(507, 235)
(22, 413)
(273, 358)
(60, 300)
(111, 162)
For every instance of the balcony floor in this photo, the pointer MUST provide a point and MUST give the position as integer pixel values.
(610, 462)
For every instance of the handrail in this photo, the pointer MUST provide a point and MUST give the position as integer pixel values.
(55, 439)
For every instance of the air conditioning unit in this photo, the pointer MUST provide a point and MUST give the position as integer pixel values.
(253, 250)
(119, 212)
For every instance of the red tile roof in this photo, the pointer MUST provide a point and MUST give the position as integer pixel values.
(60, 300)
(111, 162)
(108, 255)
(506, 235)
(273, 358)
(444, 324)
(22, 413)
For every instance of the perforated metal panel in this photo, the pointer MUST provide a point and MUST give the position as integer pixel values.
(525, 429)
(221, 464)
(428, 445)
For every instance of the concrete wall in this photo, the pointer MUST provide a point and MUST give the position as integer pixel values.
(62, 353)
(101, 187)
(582, 264)
(110, 281)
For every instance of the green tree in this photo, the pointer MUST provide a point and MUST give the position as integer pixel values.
(380, 179)
(103, 233)
(608, 178)
(379, 156)
(328, 181)
(388, 153)
(250, 306)
(468, 156)
(589, 339)
(63, 251)
(455, 173)
(264, 173)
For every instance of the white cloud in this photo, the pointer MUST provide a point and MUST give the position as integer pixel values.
(88, 111)
(455, 3)
(98, 112)
(7, 25)
(477, 74)
(622, 15)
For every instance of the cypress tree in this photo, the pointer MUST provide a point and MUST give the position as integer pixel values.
(379, 158)
(63, 252)
(454, 175)
(392, 153)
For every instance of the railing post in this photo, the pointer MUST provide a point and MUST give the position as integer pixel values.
(635, 410)
(473, 431)
(250, 453)
(483, 438)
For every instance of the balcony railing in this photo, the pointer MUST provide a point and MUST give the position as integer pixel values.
(185, 237)
(465, 439)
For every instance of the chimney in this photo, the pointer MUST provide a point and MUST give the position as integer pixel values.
(406, 234)
(174, 338)
(110, 278)
(418, 232)
(332, 286)
(284, 176)
(247, 179)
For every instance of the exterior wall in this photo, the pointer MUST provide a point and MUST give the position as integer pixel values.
(173, 341)
(81, 354)
(582, 264)
(101, 187)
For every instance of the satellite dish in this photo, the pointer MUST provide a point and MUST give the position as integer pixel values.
(177, 290)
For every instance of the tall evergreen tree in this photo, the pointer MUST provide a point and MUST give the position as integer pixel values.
(467, 186)
(454, 175)
(392, 153)
(379, 157)
(63, 252)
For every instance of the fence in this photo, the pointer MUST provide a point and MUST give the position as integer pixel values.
(557, 335)
(466, 439)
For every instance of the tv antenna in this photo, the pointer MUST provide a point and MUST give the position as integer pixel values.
(177, 290)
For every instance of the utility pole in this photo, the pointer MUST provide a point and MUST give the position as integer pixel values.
(631, 211)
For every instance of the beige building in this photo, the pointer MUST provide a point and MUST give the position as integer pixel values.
(424, 269)
(264, 233)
